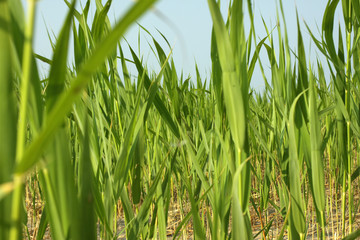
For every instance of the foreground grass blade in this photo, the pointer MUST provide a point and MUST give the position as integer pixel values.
(353, 236)
(87, 217)
(241, 228)
(297, 203)
(65, 101)
(8, 120)
(57, 77)
(327, 28)
(231, 87)
(317, 166)
(235, 85)
(16, 211)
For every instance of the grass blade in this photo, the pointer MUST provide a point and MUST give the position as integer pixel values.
(66, 100)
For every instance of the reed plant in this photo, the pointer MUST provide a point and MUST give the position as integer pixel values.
(94, 151)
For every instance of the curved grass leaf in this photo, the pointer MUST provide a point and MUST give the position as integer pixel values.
(66, 100)
(297, 202)
(317, 165)
(164, 113)
(327, 28)
(354, 235)
(57, 77)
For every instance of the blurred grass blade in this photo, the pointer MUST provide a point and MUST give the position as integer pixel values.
(327, 28)
(86, 218)
(35, 103)
(57, 77)
(44, 221)
(53, 211)
(354, 235)
(255, 57)
(7, 105)
(25, 83)
(136, 170)
(66, 100)
(101, 22)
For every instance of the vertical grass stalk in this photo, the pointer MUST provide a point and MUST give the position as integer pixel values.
(347, 105)
(15, 231)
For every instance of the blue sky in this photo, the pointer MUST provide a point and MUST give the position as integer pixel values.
(187, 25)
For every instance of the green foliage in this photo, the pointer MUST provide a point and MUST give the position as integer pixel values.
(108, 153)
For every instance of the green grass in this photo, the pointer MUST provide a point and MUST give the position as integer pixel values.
(93, 152)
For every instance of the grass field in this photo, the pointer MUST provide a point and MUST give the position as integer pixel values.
(89, 151)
